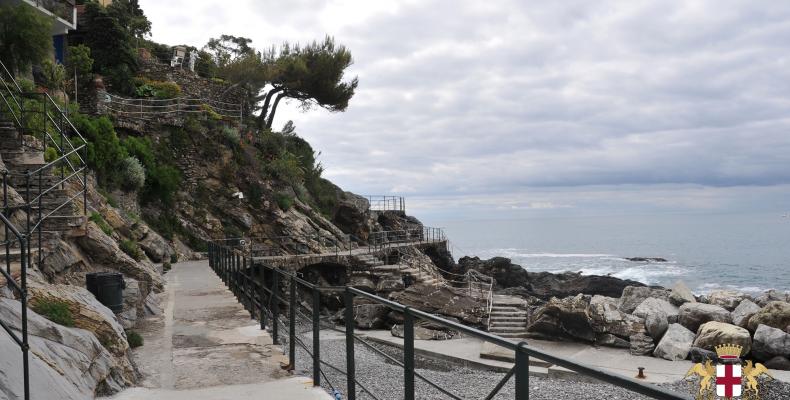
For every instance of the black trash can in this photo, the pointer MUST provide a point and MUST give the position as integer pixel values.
(108, 288)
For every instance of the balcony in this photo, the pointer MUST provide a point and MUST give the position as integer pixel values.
(63, 11)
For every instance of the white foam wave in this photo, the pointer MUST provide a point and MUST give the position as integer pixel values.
(522, 254)
(648, 275)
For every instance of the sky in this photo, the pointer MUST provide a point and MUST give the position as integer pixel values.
(504, 109)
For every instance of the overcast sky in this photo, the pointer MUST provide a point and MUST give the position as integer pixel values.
(510, 108)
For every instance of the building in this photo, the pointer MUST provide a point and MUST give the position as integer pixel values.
(63, 12)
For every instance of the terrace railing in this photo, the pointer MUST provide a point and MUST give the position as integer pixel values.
(265, 291)
(386, 203)
(175, 107)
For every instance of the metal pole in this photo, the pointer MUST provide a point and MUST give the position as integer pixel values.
(292, 324)
(275, 308)
(5, 226)
(23, 300)
(350, 362)
(39, 222)
(262, 291)
(408, 354)
(316, 337)
(522, 372)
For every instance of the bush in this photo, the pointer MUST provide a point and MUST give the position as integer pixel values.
(54, 75)
(166, 266)
(134, 339)
(287, 168)
(174, 258)
(210, 112)
(132, 173)
(50, 154)
(131, 248)
(54, 310)
(25, 36)
(101, 223)
(105, 151)
(284, 201)
(231, 134)
(78, 58)
(163, 182)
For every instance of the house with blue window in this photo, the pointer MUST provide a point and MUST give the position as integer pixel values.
(64, 15)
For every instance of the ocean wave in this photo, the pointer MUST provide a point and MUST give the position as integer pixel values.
(707, 288)
(521, 254)
(650, 276)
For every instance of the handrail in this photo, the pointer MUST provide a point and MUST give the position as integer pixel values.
(21, 289)
(239, 274)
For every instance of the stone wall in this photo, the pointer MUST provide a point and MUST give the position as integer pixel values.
(191, 84)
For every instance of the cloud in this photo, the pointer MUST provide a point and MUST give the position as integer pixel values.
(468, 99)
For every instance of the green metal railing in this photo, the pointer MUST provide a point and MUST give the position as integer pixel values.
(265, 290)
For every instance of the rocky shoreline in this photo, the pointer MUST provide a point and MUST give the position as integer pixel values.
(673, 324)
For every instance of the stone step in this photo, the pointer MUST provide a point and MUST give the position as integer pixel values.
(509, 335)
(387, 268)
(507, 329)
(508, 315)
(15, 255)
(501, 318)
(507, 309)
(509, 324)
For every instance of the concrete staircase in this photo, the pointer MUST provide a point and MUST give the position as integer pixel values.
(65, 218)
(508, 317)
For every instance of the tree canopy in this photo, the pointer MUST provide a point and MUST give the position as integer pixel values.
(25, 36)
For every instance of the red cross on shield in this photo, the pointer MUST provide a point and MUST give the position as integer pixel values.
(728, 380)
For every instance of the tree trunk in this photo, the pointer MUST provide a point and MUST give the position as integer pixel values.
(274, 110)
(265, 108)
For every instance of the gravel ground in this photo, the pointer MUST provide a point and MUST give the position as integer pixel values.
(385, 379)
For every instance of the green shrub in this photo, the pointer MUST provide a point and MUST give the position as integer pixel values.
(166, 266)
(54, 75)
(101, 223)
(287, 168)
(174, 258)
(145, 90)
(231, 135)
(213, 115)
(132, 173)
(25, 36)
(50, 154)
(166, 90)
(105, 151)
(164, 181)
(134, 339)
(54, 310)
(131, 248)
(284, 201)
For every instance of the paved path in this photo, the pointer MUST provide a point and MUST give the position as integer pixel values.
(205, 346)
(467, 351)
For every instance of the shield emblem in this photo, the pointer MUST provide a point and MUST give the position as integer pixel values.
(728, 380)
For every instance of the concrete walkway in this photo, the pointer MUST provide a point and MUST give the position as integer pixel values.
(205, 346)
(468, 350)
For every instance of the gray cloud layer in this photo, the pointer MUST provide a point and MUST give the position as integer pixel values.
(541, 104)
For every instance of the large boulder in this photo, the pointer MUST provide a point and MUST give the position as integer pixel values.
(728, 299)
(65, 363)
(778, 362)
(657, 324)
(86, 311)
(744, 311)
(132, 302)
(633, 296)
(351, 215)
(675, 344)
(714, 333)
(566, 317)
(641, 344)
(505, 273)
(692, 315)
(444, 300)
(606, 318)
(698, 355)
(769, 342)
(775, 314)
(154, 245)
(652, 305)
(370, 316)
(681, 294)
(607, 339)
(772, 295)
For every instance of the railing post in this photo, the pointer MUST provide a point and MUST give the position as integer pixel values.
(350, 362)
(522, 372)
(292, 324)
(275, 307)
(5, 226)
(408, 354)
(262, 291)
(316, 337)
(85, 179)
(38, 223)
(23, 301)
(27, 201)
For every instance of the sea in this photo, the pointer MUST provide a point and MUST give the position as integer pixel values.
(748, 253)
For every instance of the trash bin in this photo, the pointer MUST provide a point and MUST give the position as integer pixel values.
(108, 288)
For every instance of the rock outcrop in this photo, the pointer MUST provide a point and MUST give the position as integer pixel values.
(606, 318)
(444, 300)
(566, 317)
(775, 314)
(676, 343)
(714, 333)
(692, 315)
(633, 296)
(681, 294)
(769, 342)
(744, 312)
(66, 363)
(727, 298)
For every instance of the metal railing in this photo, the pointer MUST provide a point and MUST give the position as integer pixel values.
(179, 106)
(14, 236)
(56, 131)
(386, 203)
(265, 290)
(63, 9)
